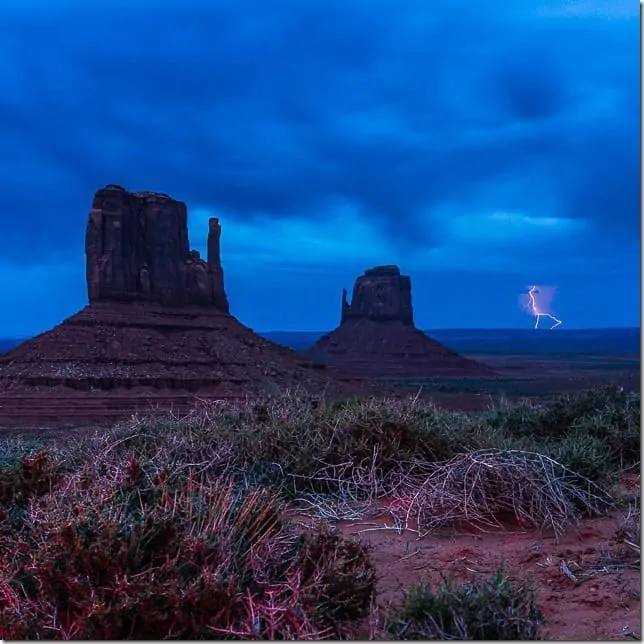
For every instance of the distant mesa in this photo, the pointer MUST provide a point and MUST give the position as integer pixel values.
(377, 337)
(381, 294)
(157, 330)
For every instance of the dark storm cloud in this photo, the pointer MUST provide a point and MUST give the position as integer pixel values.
(248, 106)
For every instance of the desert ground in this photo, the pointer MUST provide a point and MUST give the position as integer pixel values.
(598, 598)
(584, 569)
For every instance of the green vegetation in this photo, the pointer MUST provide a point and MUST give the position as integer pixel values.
(494, 609)
(179, 527)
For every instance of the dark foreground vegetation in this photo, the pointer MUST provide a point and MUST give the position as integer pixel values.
(181, 527)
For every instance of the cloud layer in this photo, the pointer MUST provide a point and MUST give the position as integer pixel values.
(329, 134)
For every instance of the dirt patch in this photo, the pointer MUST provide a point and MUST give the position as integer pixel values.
(584, 587)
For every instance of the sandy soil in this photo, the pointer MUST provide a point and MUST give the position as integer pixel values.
(603, 604)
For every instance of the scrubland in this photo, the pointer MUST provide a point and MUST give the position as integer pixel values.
(192, 527)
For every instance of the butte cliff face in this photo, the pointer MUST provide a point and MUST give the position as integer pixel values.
(137, 249)
(157, 330)
(377, 337)
(381, 294)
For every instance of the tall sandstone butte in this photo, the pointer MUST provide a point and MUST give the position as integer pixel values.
(377, 336)
(137, 249)
(157, 330)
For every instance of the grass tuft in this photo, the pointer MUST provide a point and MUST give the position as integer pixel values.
(492, 609)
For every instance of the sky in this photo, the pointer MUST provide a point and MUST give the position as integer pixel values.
(483, 147)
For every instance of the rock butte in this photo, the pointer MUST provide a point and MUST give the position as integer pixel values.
(377, 336)
(157, 331)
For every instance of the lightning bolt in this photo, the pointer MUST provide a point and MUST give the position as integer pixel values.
(534, 309)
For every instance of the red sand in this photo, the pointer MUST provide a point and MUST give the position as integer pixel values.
(601, 607)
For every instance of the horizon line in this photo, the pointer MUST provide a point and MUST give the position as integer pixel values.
(559, 330)
(428, 330)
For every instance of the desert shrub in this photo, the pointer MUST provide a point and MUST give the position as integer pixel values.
(135, 554)
(564, 411)
(607, 414)
(620, 431)
(399, 428)
(446, 433)
(140, 564)
(603, 438)
(319, 448)
(585, 454)
(524, 420)
(340, 577)
(24, 475)
(483, 486)
(492, 609)
(469, 432)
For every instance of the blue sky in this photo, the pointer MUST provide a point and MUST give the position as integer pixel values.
(482, 147)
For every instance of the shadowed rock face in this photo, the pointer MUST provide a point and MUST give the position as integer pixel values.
(382, 293)
(377, 337)
(137, 250)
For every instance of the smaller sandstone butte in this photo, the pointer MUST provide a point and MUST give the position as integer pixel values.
(377, 337)
(137, 249)
(382, 293)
